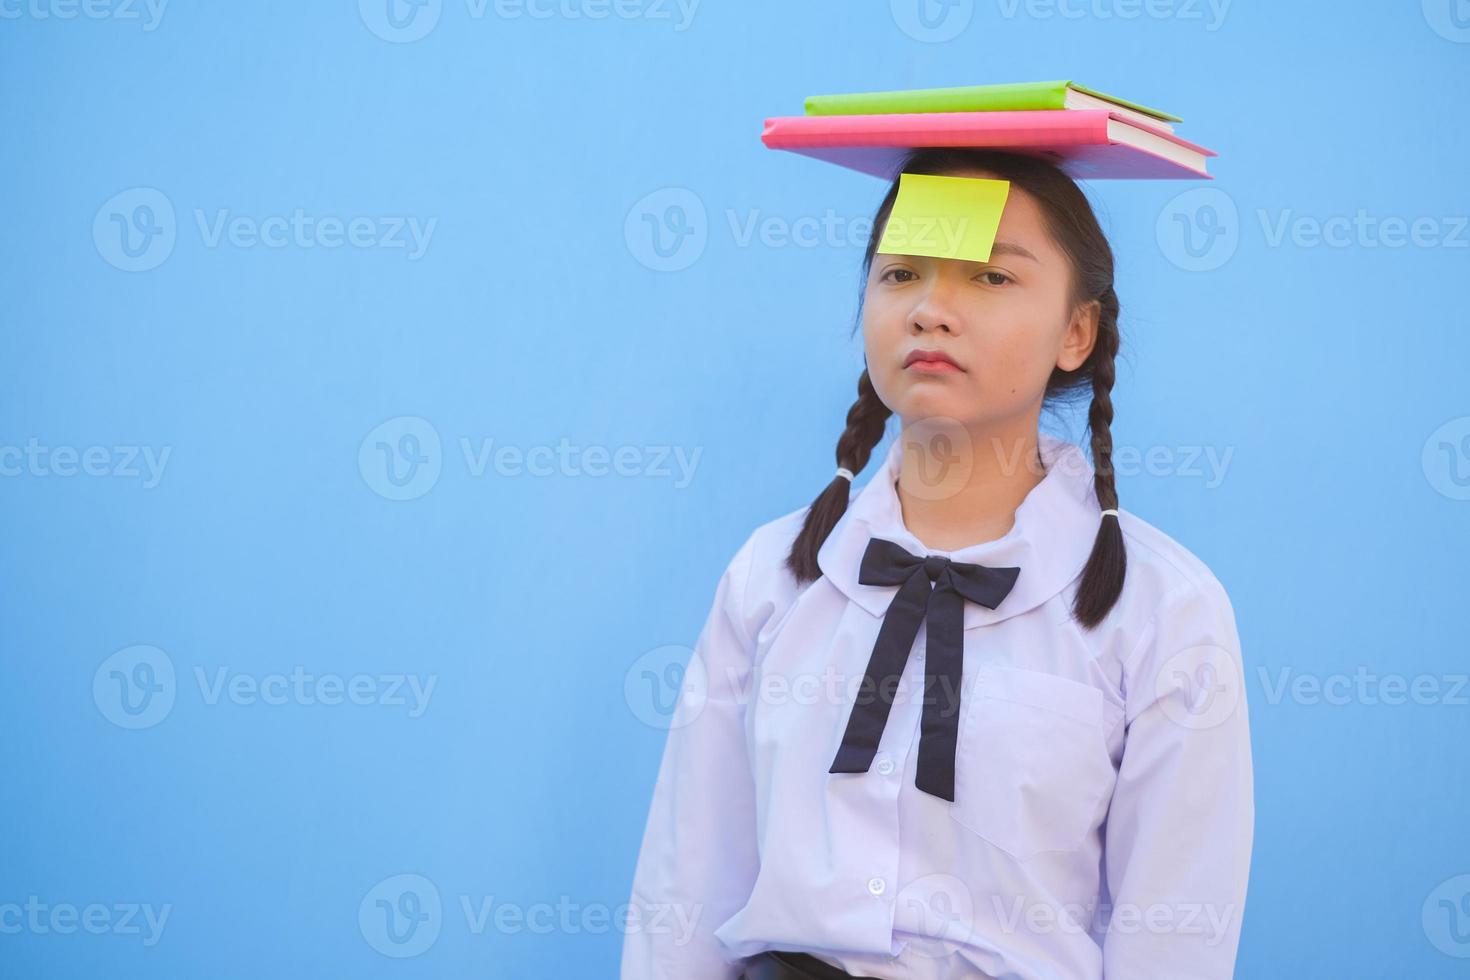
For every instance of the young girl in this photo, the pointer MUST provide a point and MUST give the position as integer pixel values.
(972, 720)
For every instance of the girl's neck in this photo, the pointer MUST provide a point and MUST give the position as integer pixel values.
(954, 495)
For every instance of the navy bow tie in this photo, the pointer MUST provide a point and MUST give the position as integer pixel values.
(886, 563)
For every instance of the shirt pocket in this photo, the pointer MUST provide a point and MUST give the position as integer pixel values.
(1032, 764)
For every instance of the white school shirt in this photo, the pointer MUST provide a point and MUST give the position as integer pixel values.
(1103, 815)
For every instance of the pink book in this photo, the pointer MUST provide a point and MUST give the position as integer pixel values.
(1084, 143)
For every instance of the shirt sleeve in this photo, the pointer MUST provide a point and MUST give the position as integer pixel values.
(1180, 826)
(698, 860)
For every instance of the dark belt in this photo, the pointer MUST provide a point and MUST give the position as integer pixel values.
(781, 965)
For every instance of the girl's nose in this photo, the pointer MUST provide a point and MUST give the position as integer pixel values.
(936, 309)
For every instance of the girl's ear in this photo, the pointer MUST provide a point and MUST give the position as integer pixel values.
(1080, 337)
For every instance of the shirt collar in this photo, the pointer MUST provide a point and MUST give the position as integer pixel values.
(1050, 542)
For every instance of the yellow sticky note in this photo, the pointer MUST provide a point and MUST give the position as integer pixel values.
(945, 217)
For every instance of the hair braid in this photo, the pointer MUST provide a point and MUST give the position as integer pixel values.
(866, 420)
(1102, 578)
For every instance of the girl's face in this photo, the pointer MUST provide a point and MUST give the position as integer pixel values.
(1006, 324)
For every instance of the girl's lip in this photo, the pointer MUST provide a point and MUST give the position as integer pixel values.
(934, 367)
(931, 356)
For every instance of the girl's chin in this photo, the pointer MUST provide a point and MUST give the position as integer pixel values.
(939, 398)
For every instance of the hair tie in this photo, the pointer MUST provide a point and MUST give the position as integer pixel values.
(1111, 511)
(845, 473)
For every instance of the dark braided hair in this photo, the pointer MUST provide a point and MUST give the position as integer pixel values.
(1072, 224)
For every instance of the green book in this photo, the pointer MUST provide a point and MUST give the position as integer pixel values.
(1008, 96)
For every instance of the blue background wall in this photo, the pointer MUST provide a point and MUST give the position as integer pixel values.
(208, 707)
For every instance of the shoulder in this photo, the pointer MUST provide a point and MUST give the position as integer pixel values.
(1174, 599)
(762, 586)
(1160, 565)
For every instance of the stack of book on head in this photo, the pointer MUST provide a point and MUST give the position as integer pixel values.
(1086, 133)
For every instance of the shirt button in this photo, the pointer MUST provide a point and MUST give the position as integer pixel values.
(885, 765)
(876, 885)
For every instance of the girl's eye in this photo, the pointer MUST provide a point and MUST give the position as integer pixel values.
(991, 278)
